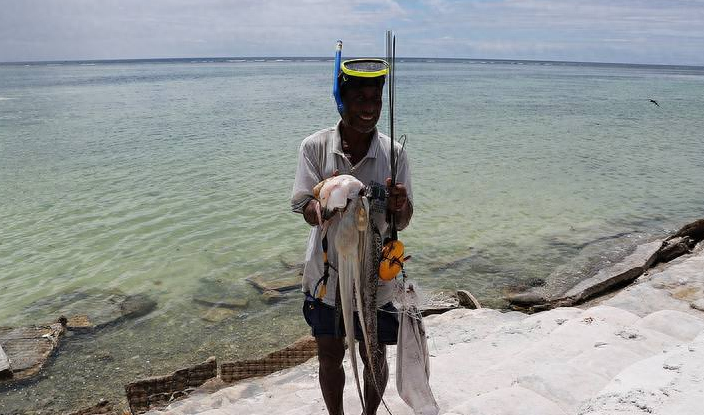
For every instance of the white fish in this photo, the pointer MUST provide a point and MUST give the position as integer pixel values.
(342, 194)
(358, 246)
(412, 359)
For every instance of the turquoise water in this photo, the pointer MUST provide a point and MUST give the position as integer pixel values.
(166, 178)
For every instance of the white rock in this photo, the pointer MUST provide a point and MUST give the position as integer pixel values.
(679, 325)
(514, 400)
(641, 351)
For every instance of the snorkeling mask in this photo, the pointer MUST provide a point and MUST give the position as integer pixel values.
(346, 71)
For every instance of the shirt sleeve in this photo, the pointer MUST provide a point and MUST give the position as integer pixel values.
(307, 176)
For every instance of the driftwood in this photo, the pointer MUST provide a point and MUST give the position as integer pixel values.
(28, 348)
(299, 352)
(145, 394)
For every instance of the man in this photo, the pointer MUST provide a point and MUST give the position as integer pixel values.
(353, 147)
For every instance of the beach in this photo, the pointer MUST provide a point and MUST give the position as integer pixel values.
(638, 350)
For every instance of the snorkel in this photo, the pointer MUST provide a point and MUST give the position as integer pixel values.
(335, 84)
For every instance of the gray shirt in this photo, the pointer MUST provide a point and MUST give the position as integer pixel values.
(319, 156)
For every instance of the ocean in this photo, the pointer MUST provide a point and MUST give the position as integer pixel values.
(171, 179)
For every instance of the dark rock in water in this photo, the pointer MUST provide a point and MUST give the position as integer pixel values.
(467, 300)
(28, 348)
(96, 308)
(299, 352)
(604, 281)
(291, 266)
(217, 314)
(5, 370)
(271, 296)
(104, 356)
(623, 272)
(694, 230)
(478, 263)
(526, 299)
(102, 407)
(229, 303)
(453, 263)
(146, 394)
(286, 282)
(138, 305)
(576, 246)
(536, 282)
(673, 248)
(80, 323)
(619, 274)
(220, 293)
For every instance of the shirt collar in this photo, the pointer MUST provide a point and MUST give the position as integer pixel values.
(336, 145)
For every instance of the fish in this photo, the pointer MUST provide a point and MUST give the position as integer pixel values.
(371, 249)
(358, 244)
(412, 358)
(347, 241)
(343, 194)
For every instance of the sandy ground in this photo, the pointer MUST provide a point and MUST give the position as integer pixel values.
(640, 351)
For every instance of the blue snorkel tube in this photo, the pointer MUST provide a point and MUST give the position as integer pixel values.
(335, 85)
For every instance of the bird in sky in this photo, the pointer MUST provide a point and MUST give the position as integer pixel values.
(654, 102)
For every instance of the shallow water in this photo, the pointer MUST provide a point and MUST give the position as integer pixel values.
(172, 179)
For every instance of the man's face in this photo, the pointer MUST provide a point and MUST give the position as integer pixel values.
(362, 107)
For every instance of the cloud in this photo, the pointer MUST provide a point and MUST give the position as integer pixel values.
(645, 31)
(648, 31)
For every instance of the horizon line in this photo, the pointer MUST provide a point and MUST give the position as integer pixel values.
(117, 60)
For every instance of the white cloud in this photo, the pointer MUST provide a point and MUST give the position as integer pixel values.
(605, 30)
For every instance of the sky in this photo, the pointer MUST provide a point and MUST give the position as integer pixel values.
(628, 31)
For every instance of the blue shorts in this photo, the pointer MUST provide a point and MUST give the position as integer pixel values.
(321, 318)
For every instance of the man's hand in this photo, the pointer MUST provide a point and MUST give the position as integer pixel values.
(398, 204)
(398, 196)
(311, 212)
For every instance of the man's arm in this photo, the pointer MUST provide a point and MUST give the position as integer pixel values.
(307, 176)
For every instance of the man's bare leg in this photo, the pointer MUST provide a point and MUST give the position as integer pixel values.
(331, 374)
(372, 395)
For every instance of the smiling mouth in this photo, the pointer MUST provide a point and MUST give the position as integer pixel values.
(367, 117)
